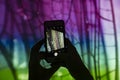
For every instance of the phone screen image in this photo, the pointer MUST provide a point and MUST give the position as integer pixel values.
(55, 40)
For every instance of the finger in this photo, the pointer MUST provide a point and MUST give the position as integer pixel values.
(35, 50)
(41, 55)
(38, 45)
(68, 43)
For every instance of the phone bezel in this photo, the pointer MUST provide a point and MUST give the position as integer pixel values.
(51, 24)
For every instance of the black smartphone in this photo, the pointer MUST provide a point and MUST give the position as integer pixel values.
(54, 36)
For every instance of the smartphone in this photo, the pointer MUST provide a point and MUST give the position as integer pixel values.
(54, 36)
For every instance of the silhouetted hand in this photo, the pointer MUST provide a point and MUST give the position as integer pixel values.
(68, 58)
(74, 63)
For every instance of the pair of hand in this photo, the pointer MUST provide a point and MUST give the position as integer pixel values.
(42, 63)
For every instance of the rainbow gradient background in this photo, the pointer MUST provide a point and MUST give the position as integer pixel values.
(93, 26)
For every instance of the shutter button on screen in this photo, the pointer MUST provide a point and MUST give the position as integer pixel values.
(55, 54)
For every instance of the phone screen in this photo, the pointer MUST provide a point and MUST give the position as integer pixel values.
(55, 39)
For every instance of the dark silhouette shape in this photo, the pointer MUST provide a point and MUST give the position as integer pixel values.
(69, 59)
